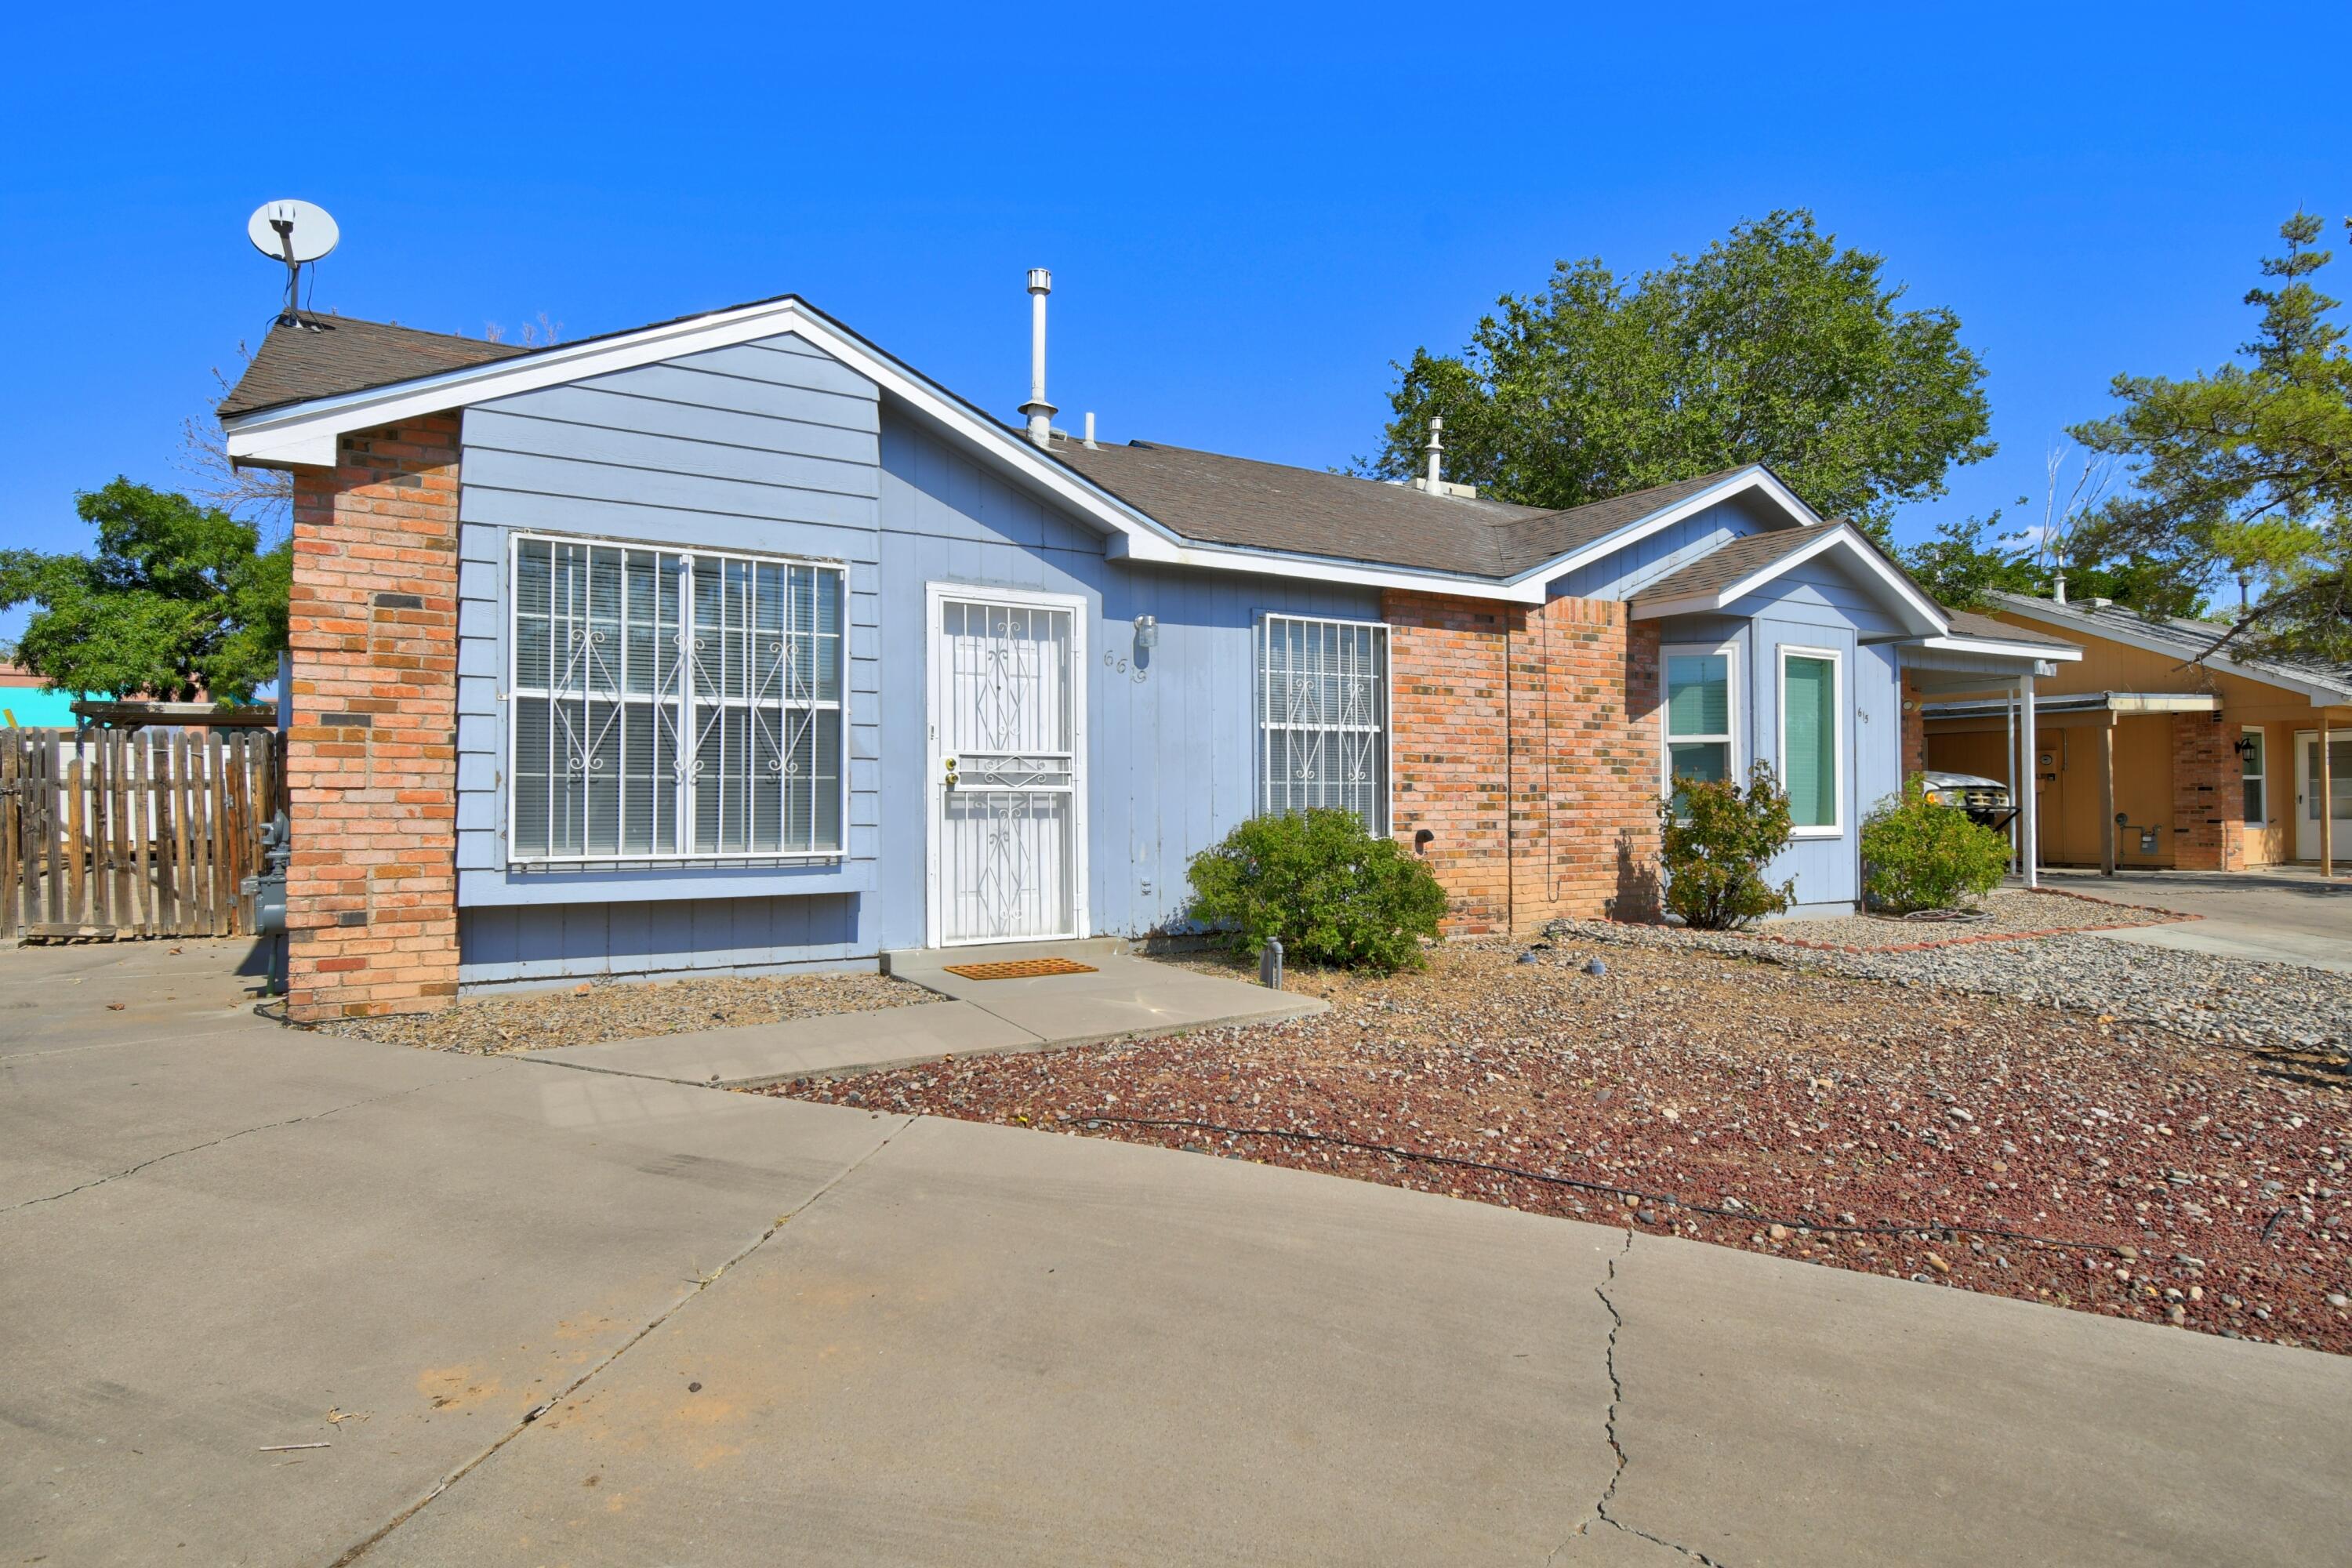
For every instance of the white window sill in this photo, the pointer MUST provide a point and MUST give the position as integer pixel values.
(1816, 833)
(715, 863)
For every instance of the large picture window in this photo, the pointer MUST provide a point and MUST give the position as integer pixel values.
(1810, 756)
(1700, 689)
(1323, 716)
(672, 705)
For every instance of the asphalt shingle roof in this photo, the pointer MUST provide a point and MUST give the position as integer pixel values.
(2177, 633)
(1204, 496)
(328, 355)
(1968, 623)
(1730, 562)
(1222, 500)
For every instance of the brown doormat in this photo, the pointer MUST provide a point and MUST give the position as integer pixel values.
(1019, 969)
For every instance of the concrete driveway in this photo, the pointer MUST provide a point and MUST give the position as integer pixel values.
(2279, 914)
(577, 1317)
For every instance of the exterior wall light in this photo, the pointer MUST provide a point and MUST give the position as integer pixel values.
(1146, 631)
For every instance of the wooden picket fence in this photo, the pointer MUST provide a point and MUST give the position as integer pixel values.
(116, 833)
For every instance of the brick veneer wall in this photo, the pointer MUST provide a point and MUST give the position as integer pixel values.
(371, 759)
(1915, 731)
(2209, 797)
(1526, 739)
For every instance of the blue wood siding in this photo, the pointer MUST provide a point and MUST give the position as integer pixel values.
(1817, 605)
(1172, 742)
(1621, 573)
(772, 447)
(765, 447)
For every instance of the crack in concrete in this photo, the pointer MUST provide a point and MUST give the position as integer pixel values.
(1609, 1428)
(701, 1282)
(242, 1132)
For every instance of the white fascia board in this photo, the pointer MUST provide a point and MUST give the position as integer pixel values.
(307, 433)
(2040, 651)
(2320, 694)
(1754, 477)
(1318, 569)
(1927, 619)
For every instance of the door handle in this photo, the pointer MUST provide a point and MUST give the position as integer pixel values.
(951, 766)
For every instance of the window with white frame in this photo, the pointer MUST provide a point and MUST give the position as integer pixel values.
(1700, 690)
(1323, 716)
(1813, 768)
(672, 705)
(2254, 767)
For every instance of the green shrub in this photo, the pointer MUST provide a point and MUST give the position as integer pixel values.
(1334, 893)
(1919, 854)
(1718, 839)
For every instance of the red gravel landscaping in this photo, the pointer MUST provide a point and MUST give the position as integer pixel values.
(1970, 1143)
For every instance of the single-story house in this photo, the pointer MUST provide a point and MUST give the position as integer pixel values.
(2151, 750)
(735, 642)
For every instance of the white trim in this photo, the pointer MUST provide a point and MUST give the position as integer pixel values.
(1836, 828)
(1261, 720)
(1729, 651)
(2064, 616)
(2045, 652)
(935, 594)
(1925, 616)
(1755, 477)
(683, 807)
(2260, 775)
(305, 435)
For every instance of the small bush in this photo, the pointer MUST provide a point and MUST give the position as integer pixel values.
(1718, 839)
(1918, 854)
(1334, 893)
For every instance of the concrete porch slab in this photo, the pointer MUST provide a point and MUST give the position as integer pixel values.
(799, 1048)
(1124, 996)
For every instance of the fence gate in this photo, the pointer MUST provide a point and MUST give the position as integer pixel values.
(116, 833)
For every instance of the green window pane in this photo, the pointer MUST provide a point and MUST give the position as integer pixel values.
(1810, 738)
(1698, 694)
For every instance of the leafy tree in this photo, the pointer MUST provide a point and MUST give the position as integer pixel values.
(178, 598)
(2247, 468)
(1963, 569)
(1772, 346)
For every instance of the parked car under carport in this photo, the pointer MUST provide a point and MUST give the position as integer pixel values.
(1985, 800)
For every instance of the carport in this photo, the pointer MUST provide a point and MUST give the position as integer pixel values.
(1982, 657)
(2103, 768)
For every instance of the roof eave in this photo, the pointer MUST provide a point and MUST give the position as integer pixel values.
(2321, 693)
(1755, 477)
(1919, 613)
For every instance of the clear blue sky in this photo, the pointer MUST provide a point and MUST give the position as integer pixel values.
(1248, 213)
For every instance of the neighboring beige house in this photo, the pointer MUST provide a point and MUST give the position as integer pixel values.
(2149, 753)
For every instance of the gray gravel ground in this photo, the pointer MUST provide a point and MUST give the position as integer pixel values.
(2002, 911)
(2196, 994)
(586, 1012)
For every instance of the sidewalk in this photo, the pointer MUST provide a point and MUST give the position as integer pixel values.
(1121, 996)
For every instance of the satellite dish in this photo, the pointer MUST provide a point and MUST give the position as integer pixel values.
(291, 232)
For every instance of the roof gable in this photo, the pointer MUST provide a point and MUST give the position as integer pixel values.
(1167, 504)
(1745, 566)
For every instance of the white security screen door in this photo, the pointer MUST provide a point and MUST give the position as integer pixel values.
(1008, 766)
(2306, 794)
